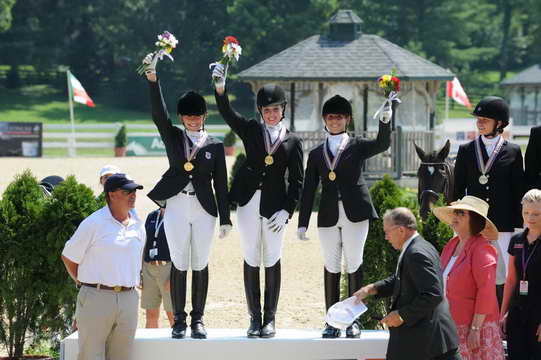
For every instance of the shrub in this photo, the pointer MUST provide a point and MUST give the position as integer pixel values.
(239, 160)
(230, 139)
(121, 137)
(435, 231)
(37, 297)
(379, 256)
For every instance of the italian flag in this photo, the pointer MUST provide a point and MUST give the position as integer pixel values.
(78, 93)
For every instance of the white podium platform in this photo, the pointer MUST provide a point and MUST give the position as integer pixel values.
(151, 344)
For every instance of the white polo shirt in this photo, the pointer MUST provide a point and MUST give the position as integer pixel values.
(108, 252)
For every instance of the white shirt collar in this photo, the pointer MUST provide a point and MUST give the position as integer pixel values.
(334, 141)
(274, 130)
(488, 141)
(404, 247)
(195, 135)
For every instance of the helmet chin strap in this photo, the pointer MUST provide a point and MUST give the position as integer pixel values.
(495, 132)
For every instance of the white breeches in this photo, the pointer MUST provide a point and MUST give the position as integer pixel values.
(189, 230)
(345, 237)
(256, 240)
(502, 244)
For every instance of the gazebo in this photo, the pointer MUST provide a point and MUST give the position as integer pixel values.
(348, 62)
(523, 92)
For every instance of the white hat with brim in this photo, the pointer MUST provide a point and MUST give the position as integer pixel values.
(109, 170)
(470, 203)
(342, 314)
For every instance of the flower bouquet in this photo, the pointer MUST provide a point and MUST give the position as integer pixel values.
(231, 51)
(164, 46)
(390, 84)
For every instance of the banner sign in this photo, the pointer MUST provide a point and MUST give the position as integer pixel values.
(145, 146)
(21, 139)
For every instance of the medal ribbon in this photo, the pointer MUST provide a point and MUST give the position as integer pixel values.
(332, 164)
(158, 225)
(525, 263)
(196, 146)
(485, 168)
(271, 148)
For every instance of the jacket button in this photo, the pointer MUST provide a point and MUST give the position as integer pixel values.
(488, 187)
(190, 176)
(260, 184)
(488, 199)
(264, 174)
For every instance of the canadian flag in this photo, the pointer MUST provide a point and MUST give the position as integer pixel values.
(456, 92)
(78, 92)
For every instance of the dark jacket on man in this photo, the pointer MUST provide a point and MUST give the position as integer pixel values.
(417, 294)
(533, 159)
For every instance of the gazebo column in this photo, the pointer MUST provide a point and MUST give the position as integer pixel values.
(292, 106)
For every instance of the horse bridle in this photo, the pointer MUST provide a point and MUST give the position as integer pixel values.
(447, 169)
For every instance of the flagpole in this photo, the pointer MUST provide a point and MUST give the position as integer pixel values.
(72, 150)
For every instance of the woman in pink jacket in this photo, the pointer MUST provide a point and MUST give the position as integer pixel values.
(469, 276)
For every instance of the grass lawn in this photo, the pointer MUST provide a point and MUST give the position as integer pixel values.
(41, 103)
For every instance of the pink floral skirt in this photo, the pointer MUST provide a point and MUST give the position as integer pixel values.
(491, 343)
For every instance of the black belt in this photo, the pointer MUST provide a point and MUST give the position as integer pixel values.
(117, 288)
(189, 193)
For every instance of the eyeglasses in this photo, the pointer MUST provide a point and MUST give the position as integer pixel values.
(459, 212)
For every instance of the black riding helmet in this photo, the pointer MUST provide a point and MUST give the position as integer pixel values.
(493, 107)
(191, 103)
(271, 94)
(337, 105)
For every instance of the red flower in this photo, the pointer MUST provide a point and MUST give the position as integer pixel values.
(396, 82)
(230, 39)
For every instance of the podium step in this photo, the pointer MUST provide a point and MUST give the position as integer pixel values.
(233, 344)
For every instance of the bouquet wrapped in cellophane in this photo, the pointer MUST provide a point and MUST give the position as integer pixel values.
(164, 46)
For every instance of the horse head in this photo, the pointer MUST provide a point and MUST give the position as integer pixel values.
(435, 177)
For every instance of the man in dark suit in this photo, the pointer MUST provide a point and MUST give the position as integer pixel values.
(533, 159)
(420, 325)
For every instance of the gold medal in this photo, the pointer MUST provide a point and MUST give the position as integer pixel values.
(269, 160)
(188, 166)
(332, 176)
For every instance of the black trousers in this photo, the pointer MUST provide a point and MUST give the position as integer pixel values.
(450, 355)
(522, 342)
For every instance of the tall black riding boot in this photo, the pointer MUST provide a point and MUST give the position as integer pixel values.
(200, 285)
(253, 299)
(332, 296)
(178, 299)
(273, 276)
(355, 282)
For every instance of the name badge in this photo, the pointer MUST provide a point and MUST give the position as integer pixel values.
(152, 253)
(523, 289)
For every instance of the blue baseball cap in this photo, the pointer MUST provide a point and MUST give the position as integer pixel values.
(120, 181)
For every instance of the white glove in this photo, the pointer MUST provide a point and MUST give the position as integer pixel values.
(301, 234)
(219, 74)
(150, 61)
(277, 221)
(224, 230)
(387, 113)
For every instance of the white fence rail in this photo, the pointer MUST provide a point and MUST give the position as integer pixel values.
(60, 136)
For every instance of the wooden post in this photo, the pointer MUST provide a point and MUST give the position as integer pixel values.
(292, 105)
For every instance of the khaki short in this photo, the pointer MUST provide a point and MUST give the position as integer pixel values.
(155, 278)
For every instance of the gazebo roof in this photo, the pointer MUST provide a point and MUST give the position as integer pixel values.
(364, 57)
(530, 76)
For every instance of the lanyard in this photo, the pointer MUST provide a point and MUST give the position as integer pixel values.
(157, 225)
(525, 263)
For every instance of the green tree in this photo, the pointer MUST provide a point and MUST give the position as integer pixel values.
(5, 14)
(37, 297)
